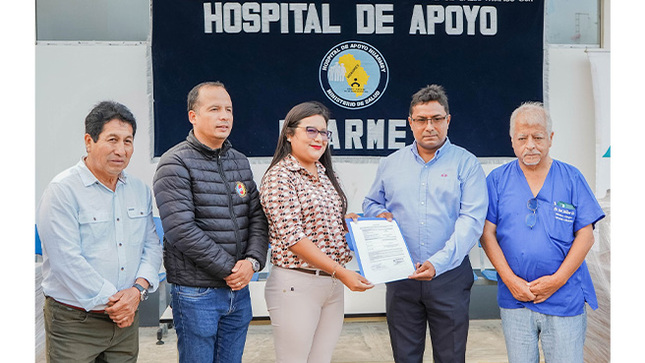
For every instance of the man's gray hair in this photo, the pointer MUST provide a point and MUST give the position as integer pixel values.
(534, 113)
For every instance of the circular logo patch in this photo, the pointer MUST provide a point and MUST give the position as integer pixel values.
(353, 74)
(240, 188)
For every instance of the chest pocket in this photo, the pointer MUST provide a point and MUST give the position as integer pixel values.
(562, 216)
(97, 231)
(446, 187)
(137, 224)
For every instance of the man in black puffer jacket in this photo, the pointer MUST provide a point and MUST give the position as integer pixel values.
(215, 231)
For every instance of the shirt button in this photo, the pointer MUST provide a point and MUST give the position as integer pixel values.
(118, 219)
(122, 268)
(120, 244)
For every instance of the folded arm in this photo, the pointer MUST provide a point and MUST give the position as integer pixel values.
(517, 285)
(546, 286)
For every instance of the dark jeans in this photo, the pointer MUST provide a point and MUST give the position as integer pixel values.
(78, 336)
(442, 304)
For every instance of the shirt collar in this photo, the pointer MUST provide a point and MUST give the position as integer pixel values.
(442, 150)
(88, 178)
(291, 163)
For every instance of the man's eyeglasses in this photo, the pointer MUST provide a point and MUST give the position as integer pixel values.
(312, 132)
(424, 120)
(531, 218)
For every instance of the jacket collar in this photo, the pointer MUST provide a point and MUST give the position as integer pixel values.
(196, 144)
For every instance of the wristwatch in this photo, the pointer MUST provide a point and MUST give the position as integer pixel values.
(144, 292)
(254, 263)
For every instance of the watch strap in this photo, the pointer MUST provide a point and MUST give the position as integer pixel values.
(139, 287)
(143, 291)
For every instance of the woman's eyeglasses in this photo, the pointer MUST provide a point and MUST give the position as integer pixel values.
(531, 218)
(312, 132)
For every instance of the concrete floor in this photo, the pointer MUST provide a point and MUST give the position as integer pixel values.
(362, 340)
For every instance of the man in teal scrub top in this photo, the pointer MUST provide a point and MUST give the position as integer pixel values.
(538, 230)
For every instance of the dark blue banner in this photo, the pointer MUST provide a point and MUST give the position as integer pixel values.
(363, 60)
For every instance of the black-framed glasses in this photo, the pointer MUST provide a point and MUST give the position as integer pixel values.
(424, 120)
(312, 132)
(531, 218)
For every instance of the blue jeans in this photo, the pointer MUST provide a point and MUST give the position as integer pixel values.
(211, 323)
(563, 337)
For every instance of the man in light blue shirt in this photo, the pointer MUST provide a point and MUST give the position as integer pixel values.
(437, 193)
(101, 253)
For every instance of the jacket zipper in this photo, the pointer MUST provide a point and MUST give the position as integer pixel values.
(238, 243)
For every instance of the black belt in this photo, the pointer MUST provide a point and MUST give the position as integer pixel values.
(311, 272)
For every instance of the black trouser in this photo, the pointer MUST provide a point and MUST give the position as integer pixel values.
(442, 303)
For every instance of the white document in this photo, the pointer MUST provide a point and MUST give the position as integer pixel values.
(382, 253)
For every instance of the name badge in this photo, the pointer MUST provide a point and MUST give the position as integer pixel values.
(564, 211)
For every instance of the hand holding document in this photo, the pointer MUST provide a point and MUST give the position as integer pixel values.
(380, 249)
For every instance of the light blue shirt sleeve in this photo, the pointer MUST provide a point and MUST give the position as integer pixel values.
(374, 202)
(151, 256)
(469, 225)
(65, 266)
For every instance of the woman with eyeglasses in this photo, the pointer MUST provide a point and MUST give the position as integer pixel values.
(306, 206)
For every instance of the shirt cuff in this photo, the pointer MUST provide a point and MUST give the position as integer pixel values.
(373, 213)
(438, 266)
(99, 301)
(148, 273)
(293, 238)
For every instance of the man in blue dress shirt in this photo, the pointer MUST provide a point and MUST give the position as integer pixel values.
(437, 193)
(538, 231)
(101, 253)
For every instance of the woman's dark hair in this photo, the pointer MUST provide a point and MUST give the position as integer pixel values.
(105, 112)
(291, 122)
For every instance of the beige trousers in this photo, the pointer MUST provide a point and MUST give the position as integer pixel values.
(306, 313)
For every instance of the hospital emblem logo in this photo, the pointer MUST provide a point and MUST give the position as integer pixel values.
(353, 74)
(240, 189)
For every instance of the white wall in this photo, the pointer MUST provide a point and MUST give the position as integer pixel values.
(70, 80)
(571, 104)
